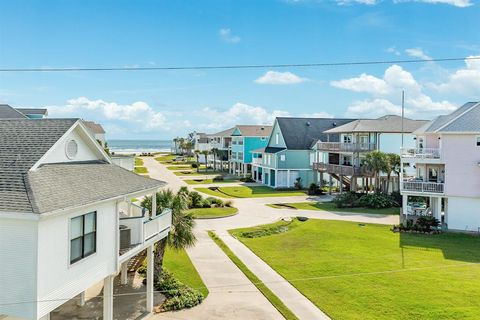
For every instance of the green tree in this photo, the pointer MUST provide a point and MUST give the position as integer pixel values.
(181, 232)
(215, 153)
(376, 162)
(197, 156)
(393, 161)
(205, 155)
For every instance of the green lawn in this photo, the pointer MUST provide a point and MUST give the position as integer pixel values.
(274, 300)
(138, 162)
(179, 167)
(208, 213)
(168, 159)
(208, 181)
(141, 170)
(180, 265)
(365, 271)
(250, 192)
(195, 173)
(330, 206)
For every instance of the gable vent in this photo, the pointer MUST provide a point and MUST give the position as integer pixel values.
(71, 149)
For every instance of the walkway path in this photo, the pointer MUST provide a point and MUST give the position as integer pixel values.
(226, 283)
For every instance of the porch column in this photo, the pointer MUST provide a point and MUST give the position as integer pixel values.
(46, 317)
(320, 183)
(330, 182)
(81, 299)
(404, 204)
(150, 278)
(288, 178)
(124, 273)
(341, 184)
(108, 298)
(154, 204)
(438, 208)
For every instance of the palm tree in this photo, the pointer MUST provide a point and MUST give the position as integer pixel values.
(188, 145)
(205, 154)
(181, 143)
(393, 160)
(376, 162)
(214, 152)
(197, 155)
(181, 232)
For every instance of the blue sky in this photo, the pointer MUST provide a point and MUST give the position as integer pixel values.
(164, 104)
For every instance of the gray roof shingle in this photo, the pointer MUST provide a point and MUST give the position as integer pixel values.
(7, 112)
(254, 130)
(464, 119)
(303, 133)
(385, 124)
(64, 185)
(41, 111)
(94, 127)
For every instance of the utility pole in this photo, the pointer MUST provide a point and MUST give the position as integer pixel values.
(403, 112)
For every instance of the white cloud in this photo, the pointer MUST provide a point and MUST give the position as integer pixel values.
(274, 77)
(386, 92)
(456, 3)
(226, 35)
(139, 113)
(417, 53)
(347, 2)
(321, 114)
(394, 51)
(463, 81)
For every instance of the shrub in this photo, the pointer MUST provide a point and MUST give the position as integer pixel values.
(218, 178)
(195, 200)
(347, 199)
(427, 223)
(194, 165)
(178, 296)
(302, 219)
(314, 190)
(211, 201)
(183, 191)
(396, 196)
(298, 183)
(248, 178)
(377, 201)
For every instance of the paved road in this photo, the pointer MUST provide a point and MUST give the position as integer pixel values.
(229, 298)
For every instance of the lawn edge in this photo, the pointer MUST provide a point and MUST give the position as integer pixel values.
(221, 217)
(267, 293)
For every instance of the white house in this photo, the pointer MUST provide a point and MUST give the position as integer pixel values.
(66, 218)
(446, 163)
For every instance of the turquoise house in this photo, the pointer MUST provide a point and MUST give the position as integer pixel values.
(288, 155)
(245, 139)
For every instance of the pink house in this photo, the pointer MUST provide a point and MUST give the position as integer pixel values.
(447, 163)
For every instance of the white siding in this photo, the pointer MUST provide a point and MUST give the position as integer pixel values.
(463, 213)
(124, 162)
(57, 278)
(18, 259)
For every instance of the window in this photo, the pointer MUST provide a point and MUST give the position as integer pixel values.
(478, 141)
(282, 157)
(240, 156)
(347, 138)
(83, 236)
(277, 138)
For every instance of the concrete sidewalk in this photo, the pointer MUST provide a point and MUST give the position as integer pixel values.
(291, 297)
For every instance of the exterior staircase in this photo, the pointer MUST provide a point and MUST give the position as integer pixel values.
(136, 262)
(345, 180)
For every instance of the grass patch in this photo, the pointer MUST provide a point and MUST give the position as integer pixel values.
(208, 181)
(179, 263)
(195, 173)
(366, 271)
(179, 167)
(330, 206)
(274, 300)
(140, 170)
(250, 192)
(138, 162)
(209, 213)
(166, 159)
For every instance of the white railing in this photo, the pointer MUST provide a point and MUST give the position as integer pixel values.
(420, 186)
(257, 160)
(421, 153)
(346, 147)
(157, 224)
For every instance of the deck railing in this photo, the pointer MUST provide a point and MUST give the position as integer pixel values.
(421, 153)
(346, 147)
(421, 186)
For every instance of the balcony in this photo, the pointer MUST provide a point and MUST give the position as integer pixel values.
(345, 147)
(137, 229)
(341, 170)
(257, 160)
(421, 153)
(423, 187)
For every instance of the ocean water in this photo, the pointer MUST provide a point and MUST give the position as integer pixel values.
(138, 146)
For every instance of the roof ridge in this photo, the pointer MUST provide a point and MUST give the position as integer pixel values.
(476, 104)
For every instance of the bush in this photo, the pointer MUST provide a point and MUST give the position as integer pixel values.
(314, 190)
(298, 184)
(377, 201)
(218, 178)
(248, 178)
(347, 199)
(427, 223)
(194, 165)
(178, 296)
(211, 201)
(195, 200)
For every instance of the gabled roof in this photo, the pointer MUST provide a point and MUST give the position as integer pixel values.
(94, 127)
(385, 124)
(65, 185)
(464, 119)
(23, 142)
(303, 133)
(224, 133)
(253, 130)
(40, 111)
(7, 112)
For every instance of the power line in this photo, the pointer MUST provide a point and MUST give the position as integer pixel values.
(252, 66)
(212, 288)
